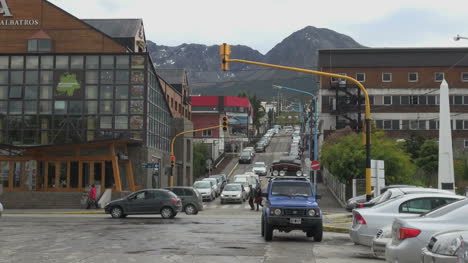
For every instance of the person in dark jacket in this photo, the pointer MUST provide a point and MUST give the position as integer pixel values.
(251, 198)
(258, 197)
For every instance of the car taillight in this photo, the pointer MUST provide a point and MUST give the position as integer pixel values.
(174, 201)
(408, 233)
(359, 219)
(361, 205)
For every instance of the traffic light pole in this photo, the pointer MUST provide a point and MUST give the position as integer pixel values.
(225, 52)
(171, 180)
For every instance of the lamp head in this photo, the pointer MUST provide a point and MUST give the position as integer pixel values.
(456, 38)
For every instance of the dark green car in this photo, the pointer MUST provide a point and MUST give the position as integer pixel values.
(191, 199)
(147, 201)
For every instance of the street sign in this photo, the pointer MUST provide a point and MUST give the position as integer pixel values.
(150, 165)
(315, 165)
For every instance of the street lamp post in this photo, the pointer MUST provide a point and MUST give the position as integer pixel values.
(310, 134)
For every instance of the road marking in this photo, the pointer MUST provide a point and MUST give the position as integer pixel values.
(234, 168)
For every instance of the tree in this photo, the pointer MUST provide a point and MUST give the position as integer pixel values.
(345, 156)
(200, 155)
(428, 159)
(413, 144)
(271, 118)
(258, 110)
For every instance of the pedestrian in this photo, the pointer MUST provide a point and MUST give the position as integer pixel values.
(258, 197)
(251, 197)
(92, 197)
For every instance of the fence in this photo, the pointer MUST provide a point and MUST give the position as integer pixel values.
(359, 187)
(337, 188)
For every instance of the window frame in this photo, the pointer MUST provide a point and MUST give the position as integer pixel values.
(416, 74)
(461, 76)
(363, 75)
(389, 74)
(435, 76)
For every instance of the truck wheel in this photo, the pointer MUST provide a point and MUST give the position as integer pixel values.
(268, 231)
(309, 234)
(318, 235)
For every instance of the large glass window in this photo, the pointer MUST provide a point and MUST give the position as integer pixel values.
(76, 62)
(45, 107)
(46, 77)
(32, 77)
(60, 107)
(91, 107)
(122, 62)
(91, 92)
(75, 107)
(30, 107)
(46, 92)
(16, 107)
(105, 123)
(32, 62)
(3, 92)
(105, 107)
(107, 92)
(107, 62)
(4, 61)
(92, 77)
(39, 45)
(16, 92)
(92, 62)
(4, 77)
(121, 92)
(16, 77)
(107, 76)
(61, 62)
(121, 107)
(121, 122)
(17, 62)
(47, 62)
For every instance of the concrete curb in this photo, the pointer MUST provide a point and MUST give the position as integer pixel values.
(336, 229)
(56, 213)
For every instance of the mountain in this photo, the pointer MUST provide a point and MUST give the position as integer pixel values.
(297, 50)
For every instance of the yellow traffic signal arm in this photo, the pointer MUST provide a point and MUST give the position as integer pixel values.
(225, 52)
(185, 132)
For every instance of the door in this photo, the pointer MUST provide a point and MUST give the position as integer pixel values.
(136, 203)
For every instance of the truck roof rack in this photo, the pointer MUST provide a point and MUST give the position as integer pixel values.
(303, 178)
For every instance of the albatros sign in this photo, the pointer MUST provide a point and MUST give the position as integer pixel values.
(6, 13)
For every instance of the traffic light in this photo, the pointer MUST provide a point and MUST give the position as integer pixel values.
(225, 123)
(172, 161)
(225, 52)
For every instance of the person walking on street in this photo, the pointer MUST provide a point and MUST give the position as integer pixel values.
(258, 197)
(251, 197)
(92, 197)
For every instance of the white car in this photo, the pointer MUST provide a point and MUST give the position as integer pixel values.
(383, 236)
(259, 168)
(368, 221)
(1, 209)
(205, 188)
(215, 185)
(410, 235)
(233, 193)
(449, 247)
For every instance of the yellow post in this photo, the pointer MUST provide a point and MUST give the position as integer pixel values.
(225, 53)
(171, 179)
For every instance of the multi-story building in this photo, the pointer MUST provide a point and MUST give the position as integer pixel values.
(403, 85)
(209, 111)
(80, 103)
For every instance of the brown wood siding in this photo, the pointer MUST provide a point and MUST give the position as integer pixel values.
(68, 33)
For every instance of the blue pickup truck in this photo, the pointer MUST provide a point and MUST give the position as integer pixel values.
(291, 204)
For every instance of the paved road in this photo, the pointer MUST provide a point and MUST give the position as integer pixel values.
(227, 236)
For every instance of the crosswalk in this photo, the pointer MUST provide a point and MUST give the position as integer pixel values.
(226, 206)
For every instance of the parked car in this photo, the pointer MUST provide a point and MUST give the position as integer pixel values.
(221, 177)
(205, 188)
(448, 246)
(148, 201)
(233, 193)
(260, 147)
(219, 183)
(1, 209)
(354, 201)
(410, 235)
(251, 150)
(368, 221)
(379, 242)
(215, 182)
(244, 180)
(259, 168)
(192, 201)
(245, 157)
(395, 192)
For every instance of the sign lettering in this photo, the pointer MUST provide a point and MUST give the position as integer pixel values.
(4, 8)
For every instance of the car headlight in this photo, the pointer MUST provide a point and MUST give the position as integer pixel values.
(299, 173)
(282, 173)
(222, 195)
(275, 173)
(238, 195)
(452, 248)
(275, 211)
(312, 212)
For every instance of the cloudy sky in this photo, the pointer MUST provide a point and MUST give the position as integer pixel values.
(261, 24)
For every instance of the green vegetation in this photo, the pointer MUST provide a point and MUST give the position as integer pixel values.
(200, 155)
(344, 156)
(288, 118)
(258, 110)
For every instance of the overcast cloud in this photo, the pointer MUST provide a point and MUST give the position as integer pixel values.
(261, 24)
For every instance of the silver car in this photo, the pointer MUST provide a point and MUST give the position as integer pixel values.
(1, 209)
(410, 235)
(205, 188)
(383, 236)
(368, 221)
(233, 193)
(447, 247)
(259, 168)
(215, 185)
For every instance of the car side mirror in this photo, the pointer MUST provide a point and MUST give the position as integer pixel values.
(318, 197)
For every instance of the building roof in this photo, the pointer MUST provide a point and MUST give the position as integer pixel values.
(203, 101)
(172, 76)
(230, 101)
(40, 35)
(116, 28)
(393, 57)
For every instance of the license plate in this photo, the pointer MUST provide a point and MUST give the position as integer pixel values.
(295, 221)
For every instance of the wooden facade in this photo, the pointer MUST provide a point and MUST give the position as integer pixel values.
(49, 168)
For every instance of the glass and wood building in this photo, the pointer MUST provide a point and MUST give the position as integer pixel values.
(78, 105)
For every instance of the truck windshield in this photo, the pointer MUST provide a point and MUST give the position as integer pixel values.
(291, 189)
